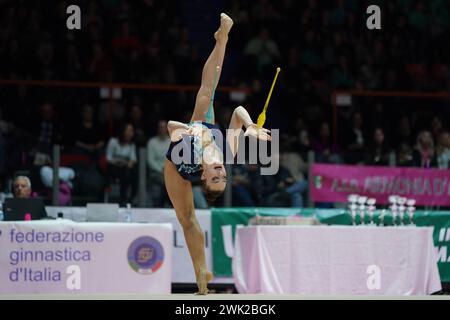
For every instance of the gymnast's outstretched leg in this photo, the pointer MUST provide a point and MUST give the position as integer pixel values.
(203, 110)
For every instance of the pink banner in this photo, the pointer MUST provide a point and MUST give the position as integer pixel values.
(333, 183)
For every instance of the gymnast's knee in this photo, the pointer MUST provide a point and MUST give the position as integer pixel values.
(188, 220)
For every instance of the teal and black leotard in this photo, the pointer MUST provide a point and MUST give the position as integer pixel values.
(192, 170)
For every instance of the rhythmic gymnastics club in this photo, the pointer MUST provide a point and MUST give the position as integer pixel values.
(262, 116)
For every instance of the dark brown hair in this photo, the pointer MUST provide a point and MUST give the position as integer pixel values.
(210, 195)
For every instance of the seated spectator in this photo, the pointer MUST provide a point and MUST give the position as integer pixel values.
(424, 155)
(436, 128)
(121, 159)
(297, 168)
(136, 119)
(378, 152)
(46, 129)
(403, 132)
(200, 201)
(288, 192)
(241, 187)
(157, 147)
(355, 140)
(326, 151)
(250, 187)
(264, 50)
(22, 190)
(292, 160)
(22, 187)
(66, 176)
(88, 137)
(443, 150)
(404, 156)
(100, 64)
(125, 41)
(302, 140)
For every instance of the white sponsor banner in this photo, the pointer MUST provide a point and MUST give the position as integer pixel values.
(63, 256)
(183, 271)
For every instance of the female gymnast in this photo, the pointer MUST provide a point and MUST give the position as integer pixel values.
(206, 164)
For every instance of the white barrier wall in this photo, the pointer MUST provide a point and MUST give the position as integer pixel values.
(182, 272)
(63, 256)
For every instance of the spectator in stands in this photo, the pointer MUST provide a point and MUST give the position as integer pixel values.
(403, 132)
(121, 159)
(264, 50)
(296, 183)
(47, 129)
(73, 67)
(157, 147)
(22, 187)
(404, 156)
(436, 128)
(136, 119)
(424, 155)
(22, 190)
(66, 177)
(302, 140)
(288, 191)
(378, 152)
(251, 188)
(100, 64)
(118, 113)
(355, 140)
(443, 150)
(325, 150)
(240, 187)
(88, 135)
(125, 41)
(342, 75)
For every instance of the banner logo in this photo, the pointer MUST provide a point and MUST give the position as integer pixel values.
(145, 255)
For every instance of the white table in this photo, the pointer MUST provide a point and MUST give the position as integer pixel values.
(335, 260)
(62, 256)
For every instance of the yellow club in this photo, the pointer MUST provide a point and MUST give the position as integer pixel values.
(262, 116)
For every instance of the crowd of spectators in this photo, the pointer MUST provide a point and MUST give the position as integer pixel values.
(320, 45)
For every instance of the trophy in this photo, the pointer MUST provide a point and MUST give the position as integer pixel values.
(394, 208)
(383, 213)
(401, 208)
(352, 199)
(362, 208)
(371, 208)
(411, 208)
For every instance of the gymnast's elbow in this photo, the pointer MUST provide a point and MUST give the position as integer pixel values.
(173, 125)
(170, 125)
(236, 110)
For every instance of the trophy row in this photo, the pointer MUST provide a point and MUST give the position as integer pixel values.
(399, 208)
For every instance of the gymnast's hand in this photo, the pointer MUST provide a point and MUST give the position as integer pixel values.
(204, 134)
(257, 132)
(194, 131)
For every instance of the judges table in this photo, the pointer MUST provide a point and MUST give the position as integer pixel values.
(62, 256)
(335, 260)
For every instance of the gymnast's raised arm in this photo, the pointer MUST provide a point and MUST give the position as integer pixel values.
(176, 130)
(241, 118)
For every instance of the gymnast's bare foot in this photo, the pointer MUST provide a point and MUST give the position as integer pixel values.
(203, 278)
(225, 26)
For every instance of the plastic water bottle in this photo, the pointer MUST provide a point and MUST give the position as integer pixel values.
(128, 213)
